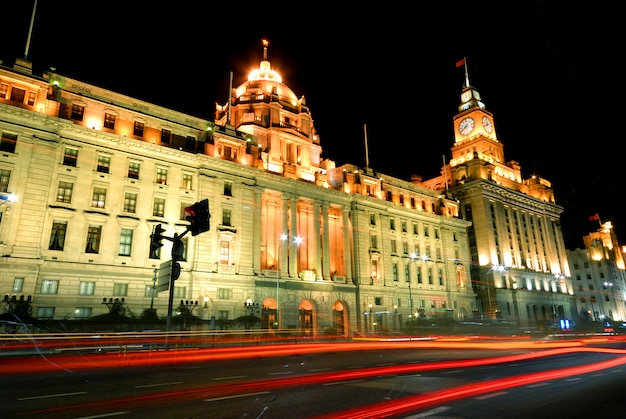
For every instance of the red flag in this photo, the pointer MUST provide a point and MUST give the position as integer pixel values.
(460, 63)
(594, 217)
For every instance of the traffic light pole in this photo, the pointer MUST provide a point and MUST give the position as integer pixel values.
(176, 256)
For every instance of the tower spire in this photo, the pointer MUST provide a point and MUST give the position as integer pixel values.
(266, 44)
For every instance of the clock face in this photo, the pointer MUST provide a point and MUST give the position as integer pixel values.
(487, 124)
(466, 96)
(466, 126)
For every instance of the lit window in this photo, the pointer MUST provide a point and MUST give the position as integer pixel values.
(120, 290)
(18, 284)
(45, 313)
(130, 202)
(104, 163)
(78, 112)
(86, 288)
(57, 236)
(158, 208)
(109, 120)
(126, 242)
(133, 170)
(161, 176)
(98, 198)
(5, 177)
(94, 233)
(187, 181)
(49, 286)
(70, 157)
(82, 313)
(138, 129)
(64, 192)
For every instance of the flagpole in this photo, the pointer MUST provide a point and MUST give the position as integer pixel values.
(467, 83)
(367, 159)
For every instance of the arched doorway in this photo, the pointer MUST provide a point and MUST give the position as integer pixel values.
(306, 323)
(340, 318)
(269, 319)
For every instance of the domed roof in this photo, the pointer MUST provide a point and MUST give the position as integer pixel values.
(264, 80)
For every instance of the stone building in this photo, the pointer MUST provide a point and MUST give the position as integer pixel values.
(300, 243)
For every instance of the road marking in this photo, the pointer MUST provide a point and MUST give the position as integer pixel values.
(429, 413)
(53, 395)
(342, 382)
(281, 373)
(159, 384)
(105, 415)
(228, 378)
(320, 369)
(537, 385)
(236, 396)
(488, 396)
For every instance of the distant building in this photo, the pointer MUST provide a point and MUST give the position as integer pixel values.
(599, 277)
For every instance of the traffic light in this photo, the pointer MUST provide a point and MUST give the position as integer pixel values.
(175, 270)
(155, 241)
(198, 216)
(178, 249)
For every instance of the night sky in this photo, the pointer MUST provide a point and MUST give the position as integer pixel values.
(547, 70)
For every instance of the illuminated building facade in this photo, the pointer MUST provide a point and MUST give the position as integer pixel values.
(599, 276)
(311, 247)
(518, 257)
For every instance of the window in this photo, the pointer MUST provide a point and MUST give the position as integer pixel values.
(120, 290)
(18, 284)
(149, 292)
(126, 242)
(78, 112)
(426, 231)
(109, 120)
(403, 226)
(372, 219)
(223, 293)
(158, 208)
(31, 98)
(8, 142)
(190, 144)
(405, 248)
(49, 286)
(138, 129)
(45, 313)
(228, 188)
(130, 202)
(430, 276)
(86, 288)
(64, 192)
(82, 313)
(70, 157)
(133, 170)
(378, 301)
(222, 315)
(392, 223)
(180, 292)
(98, 199)
(5, 177)
(226, 217)
(224, 252)
(374, 241)
(394, 272)
(183, 210)
(104, 163)
(161, 176)
(440, 274)
(4, 89)
(187, 181)
(94, 234)
(57, 236)
(419, 275)
(394, 247)
(166, 136)
(17, 94)
(185, 241)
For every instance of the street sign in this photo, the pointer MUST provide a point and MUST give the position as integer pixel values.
(164, 276)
